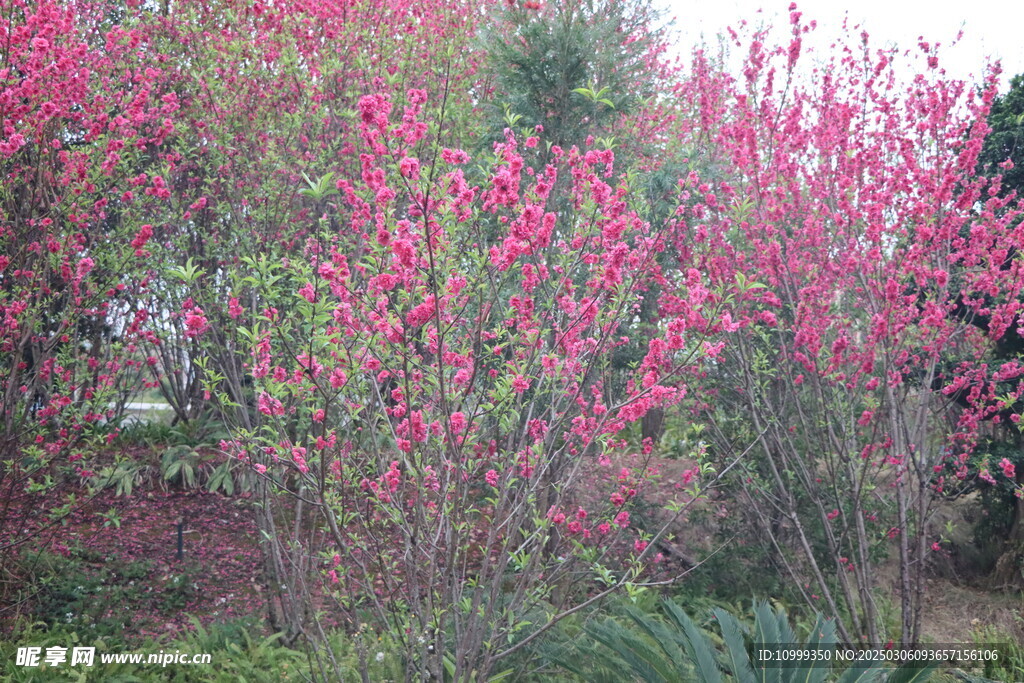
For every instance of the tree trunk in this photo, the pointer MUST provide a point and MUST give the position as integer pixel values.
(1009, 569)
(652, 424)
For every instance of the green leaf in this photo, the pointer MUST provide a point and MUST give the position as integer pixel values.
(172, 470)
(187, 273)
(822, 636)
(631, 649)
(766, 627)
(736, 648)
(913, 673)
(660, 634)
(872, 673)
(697, 645)
(321, 188)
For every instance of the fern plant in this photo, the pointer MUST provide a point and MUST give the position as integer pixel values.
(246, 654)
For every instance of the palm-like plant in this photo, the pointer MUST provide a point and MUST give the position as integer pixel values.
(671, 647)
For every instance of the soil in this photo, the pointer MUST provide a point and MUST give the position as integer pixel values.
(217, 577)
(222, 563)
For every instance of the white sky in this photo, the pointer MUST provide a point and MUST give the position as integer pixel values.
(992, 28)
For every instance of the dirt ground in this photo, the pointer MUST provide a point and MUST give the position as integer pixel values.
(221, 557)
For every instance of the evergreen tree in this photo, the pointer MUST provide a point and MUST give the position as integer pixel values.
(573, 67)
(1006, 141)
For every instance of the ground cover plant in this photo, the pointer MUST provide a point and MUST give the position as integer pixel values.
(463, 320)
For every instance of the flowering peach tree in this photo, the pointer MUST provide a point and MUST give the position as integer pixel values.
(437, 388)
(861, 368)
(81, 114)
